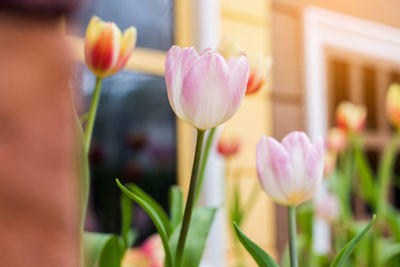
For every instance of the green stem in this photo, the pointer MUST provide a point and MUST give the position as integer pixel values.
(191, 197)
(292, 236)
(92, 113)
(203, 163)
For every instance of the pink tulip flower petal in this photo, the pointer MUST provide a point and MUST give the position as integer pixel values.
(239, 75)
(290, 172)
(178, 63)
(272, 162)
(205, 95)
(204, 90)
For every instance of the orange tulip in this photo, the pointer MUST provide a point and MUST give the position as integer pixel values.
(393, 104)
(259, 65)
(336, 140)
(106, 49)
(351, 117)
(228, 145)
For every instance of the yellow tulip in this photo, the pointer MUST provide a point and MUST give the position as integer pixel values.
(393, 104)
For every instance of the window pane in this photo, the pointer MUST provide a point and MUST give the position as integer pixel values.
(152, 19)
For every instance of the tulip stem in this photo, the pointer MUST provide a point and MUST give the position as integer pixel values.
(203, 163)
(191, 197)
(292, 236)
(92, 114)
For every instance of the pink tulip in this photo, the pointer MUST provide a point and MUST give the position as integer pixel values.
(152, 249)
(327, 207)
(205, 90)
(290, 172)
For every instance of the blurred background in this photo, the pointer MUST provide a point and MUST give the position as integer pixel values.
(323, 52)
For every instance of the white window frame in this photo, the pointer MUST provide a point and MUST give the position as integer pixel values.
(324, 28)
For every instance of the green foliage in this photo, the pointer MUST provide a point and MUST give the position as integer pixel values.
(157, 215)
(175, 206)
(200, 226)
(128, 235)
(262, 258)
(83, 168)
(348, 249)
(101, 250)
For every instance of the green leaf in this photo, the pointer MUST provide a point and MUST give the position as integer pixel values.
(128, 236)
(393, 221)
(235, 211)
(101, 250)
(385, 172)
(175, 206)
(202, 219)
(349, 247)
(366, 174)
(83, 169)
(389, 251)
(160, 211)
(262, 258)
(157, 215)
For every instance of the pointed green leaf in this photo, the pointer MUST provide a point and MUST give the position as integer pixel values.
(262, 258)
(83, 168)
(348, 249)
(202, 219)
(385, 173)
(160, 211)
(175, 206)
(392, 217)
(101, 250)
(156, 214)
(366, 174)
(127, 234)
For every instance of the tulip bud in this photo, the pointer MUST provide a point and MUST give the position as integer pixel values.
(329, 163)
(106, 49)
(290, 172)
(393, 104)
(152, 248)
(259, 67)
(327, 207)
(228, 145)
(205, 90)
(336, 140)
(351, 117)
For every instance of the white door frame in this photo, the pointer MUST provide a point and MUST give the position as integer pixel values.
(327, 28)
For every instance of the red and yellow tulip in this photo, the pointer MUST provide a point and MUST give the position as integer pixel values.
(393, 104)
(107, 50)
(351, 117)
